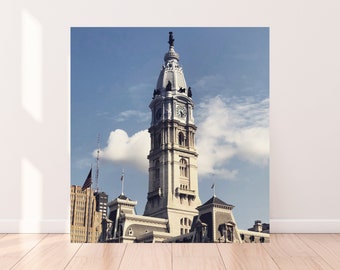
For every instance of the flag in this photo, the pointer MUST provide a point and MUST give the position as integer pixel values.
(122, 177)
(213, 185)
(88, 181)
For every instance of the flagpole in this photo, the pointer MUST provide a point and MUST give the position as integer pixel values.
(97, 164)
(213, 188)
(122, 180)
(213, 185)
(89, 178)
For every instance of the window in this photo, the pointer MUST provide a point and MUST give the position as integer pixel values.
(227, 232)
(181, 140)
(158, 141)
(183, 167)
(185, 225)
(157, 169)
(230, 233)
(156, 180)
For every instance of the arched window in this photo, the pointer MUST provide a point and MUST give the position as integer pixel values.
(181, 140)
(230, 233)
(183, 167)
(227, 232)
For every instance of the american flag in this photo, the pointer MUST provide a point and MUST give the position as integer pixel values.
(88, 181)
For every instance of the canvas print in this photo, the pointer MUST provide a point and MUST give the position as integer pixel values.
(170, 135)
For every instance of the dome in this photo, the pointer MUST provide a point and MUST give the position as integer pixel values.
(171, 54)
(171, 76)
(171, 72)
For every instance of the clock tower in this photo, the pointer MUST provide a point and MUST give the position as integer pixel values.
(173, 180)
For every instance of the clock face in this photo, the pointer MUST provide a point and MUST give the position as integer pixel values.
(181, 111)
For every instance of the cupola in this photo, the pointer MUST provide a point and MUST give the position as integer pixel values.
(171, 79)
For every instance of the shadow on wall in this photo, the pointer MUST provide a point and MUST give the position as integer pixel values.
(35, 50)
(35, 193)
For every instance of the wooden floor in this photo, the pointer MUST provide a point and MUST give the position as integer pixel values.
(54, 251)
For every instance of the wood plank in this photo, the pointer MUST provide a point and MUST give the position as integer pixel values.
(97, 256)
(246, 256)
(13, 247)
(285, 251)
(196, 256)
(147, 256)
(326, 246)
(290, 252)
(53, 252)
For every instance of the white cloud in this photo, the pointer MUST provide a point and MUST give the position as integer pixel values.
(123, 149)
(231, 128)
(83, 163)
(209, 81)
(136, 115)
(227, 129)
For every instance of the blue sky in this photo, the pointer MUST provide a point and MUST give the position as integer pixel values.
(113, 74)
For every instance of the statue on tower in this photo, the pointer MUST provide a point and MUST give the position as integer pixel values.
(171, 39)
(189, 92)
(168, 86)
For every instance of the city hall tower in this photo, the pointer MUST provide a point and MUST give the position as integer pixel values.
(173, 180)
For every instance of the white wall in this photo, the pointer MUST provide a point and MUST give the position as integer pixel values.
(304, 97)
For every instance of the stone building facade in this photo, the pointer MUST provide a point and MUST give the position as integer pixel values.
(86, 221)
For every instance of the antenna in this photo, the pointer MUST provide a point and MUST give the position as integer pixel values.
(97, 168)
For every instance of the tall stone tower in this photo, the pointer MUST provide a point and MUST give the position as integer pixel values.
(173, 183)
